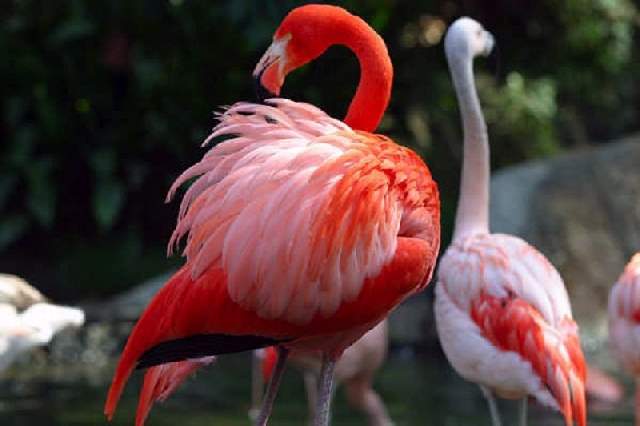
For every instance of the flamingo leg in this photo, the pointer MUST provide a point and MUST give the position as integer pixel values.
(325, 391)
(493, 408)
(522, 421)
(257, 386)
(637, 407)
(272, 390)
(311, 386)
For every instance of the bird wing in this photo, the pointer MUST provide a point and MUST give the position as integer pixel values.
(299, 210)
(518, 302)
(512, 324)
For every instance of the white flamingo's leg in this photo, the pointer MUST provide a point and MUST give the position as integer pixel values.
(257, 386)
(493, 408)
(637, 402)
(325, 391)
(311, 386)
(272, 390)
(522, 421)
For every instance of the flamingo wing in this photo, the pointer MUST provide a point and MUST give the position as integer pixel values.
(511, 306)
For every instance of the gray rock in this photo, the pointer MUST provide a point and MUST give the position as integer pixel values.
(129, 305)
(582, 210)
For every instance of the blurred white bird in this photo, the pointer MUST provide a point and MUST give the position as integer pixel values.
(36, 325)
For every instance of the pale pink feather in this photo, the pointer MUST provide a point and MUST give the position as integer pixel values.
(261, 195)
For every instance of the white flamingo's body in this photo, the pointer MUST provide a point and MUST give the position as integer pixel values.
(624, 322)
(502, 312)
(33, 327)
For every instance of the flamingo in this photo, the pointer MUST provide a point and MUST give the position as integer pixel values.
(27, 320)
(355, 370)
(303, 231)
(624, 323)
(502, 312)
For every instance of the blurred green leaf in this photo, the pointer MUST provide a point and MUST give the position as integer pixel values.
(21, 147)
(73, 29)
(41, 196)
(108, 201)
(103, 162)
(8, 183)
(11, 228)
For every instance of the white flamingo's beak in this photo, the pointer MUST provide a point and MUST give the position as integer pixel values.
(489, 43)
(271, 70)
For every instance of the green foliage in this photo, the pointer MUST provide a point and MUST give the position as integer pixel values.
(522, 111)
(105, 103)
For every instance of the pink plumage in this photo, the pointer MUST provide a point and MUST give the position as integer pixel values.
(162, 380)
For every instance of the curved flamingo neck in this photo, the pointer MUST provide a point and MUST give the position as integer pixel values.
(376, 72)
(472, 216)
(335, 26)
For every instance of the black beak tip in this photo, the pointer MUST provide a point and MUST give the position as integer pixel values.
(261, 92)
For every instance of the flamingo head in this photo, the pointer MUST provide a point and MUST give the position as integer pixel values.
(467, 38)
(304, 34)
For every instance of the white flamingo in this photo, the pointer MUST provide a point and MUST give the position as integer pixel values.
(502, 311)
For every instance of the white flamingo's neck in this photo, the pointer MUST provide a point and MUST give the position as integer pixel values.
(472, 216)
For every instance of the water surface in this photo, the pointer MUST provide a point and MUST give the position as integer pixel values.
(417, 391)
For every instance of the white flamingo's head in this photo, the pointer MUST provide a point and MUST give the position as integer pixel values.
(467, 38)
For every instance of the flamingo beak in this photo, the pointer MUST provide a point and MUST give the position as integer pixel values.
(271, 70)
(489, 43)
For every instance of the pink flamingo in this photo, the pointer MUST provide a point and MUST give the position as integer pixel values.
(624, 323)
(355, 370)
(502, 311)
(301, 231)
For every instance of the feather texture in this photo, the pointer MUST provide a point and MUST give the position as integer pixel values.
(504, 320)
(299, 209)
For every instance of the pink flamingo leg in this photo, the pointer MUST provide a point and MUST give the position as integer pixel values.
(325, 392)
(272, 390)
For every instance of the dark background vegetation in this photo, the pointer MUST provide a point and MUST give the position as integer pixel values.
(105, 103)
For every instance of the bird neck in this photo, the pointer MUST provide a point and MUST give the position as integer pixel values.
(376, 72)
(472, 216)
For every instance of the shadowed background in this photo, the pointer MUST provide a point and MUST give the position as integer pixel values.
(105, 103)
